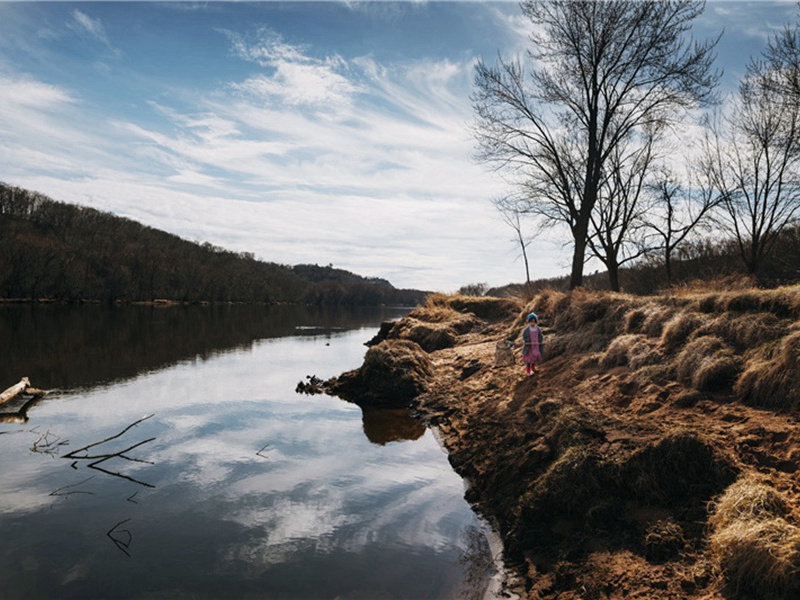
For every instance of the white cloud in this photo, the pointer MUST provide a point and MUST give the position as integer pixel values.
(314, 159)
(31, 94)
(84, 25)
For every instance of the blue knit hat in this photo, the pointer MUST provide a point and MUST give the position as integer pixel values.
(533, 317)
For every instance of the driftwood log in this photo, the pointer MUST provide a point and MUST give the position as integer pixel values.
(15, 390)
(21, 388)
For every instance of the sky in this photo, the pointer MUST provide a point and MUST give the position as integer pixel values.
(303, 132)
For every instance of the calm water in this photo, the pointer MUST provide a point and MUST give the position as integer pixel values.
(232, 486)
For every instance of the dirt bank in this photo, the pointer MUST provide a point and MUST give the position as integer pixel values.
(655, 455)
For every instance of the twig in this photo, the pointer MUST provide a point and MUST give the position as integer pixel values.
(118, 542)
(262, 449)
(120, 454)
(74, 485)
(115, 474)
(108, 439)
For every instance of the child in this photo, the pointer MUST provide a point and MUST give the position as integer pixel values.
(532, 340)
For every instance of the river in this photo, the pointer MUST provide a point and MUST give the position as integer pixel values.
(177, 461)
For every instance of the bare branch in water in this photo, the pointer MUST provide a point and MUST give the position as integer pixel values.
(122, 538)
(59, 491)
(108, 439)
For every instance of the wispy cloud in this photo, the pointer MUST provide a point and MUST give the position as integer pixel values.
(86, 26)
(305, 156)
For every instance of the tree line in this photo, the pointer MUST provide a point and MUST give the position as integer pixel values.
(612, 127)
(62, 251)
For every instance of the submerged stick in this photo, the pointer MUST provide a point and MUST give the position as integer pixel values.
(108, 439)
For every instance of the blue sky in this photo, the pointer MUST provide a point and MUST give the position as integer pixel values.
(304, 132)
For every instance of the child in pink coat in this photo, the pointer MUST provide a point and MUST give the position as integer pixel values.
(532, 340)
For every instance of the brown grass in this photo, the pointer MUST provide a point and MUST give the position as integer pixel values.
(679, 465)
(664, 540)
(486, 308)
(747, 499)
(572, 426)
(571, 483)
(760, 556)
(744, 332)
(634, 350)
(678, 330)
(756, 548)
(773, 380)
(707, 364)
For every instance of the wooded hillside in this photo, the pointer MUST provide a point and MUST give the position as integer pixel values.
(62, 251)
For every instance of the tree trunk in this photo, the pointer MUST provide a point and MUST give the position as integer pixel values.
(668, 267)
(580, 233)
(613, 275)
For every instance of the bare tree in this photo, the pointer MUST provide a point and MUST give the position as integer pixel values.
(677, 210)
(597, 73)
(509, 209)
(753, 153)
(617, 233)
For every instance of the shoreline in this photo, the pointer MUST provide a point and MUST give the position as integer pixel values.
(610, 473)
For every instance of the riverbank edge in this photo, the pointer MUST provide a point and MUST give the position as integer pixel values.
(567, 465)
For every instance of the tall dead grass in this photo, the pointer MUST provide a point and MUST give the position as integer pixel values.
(486, 308)
(634, 350)
(773, 379)
(707, 364)
(756, 548)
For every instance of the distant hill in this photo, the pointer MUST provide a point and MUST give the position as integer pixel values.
(55, 250)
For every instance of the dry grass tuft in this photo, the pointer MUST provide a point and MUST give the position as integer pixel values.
(745, 331)
(756, 548)
(486, 308)
(571, 483)
(747, 499)
(634, 320)
(774, 380)
(397, 364)
(718, 284)
(634, 350)
(572, 426)
(707, 364)
(679, 329)
(664, 540)
(654, 320)
(430, 336)
(680, 465)
(760, 556)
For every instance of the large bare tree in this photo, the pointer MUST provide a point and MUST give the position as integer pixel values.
(753, 153)
(596, 73)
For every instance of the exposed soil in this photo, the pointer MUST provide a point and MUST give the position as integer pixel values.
(655, 453)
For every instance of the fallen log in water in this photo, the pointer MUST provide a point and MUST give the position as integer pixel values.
(15, 390)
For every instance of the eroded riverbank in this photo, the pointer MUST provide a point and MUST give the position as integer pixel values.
(655, 455)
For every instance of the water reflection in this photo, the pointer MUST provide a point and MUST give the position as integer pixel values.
(384, 425)
(64, 346)
(15, 413)
(235, 487)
